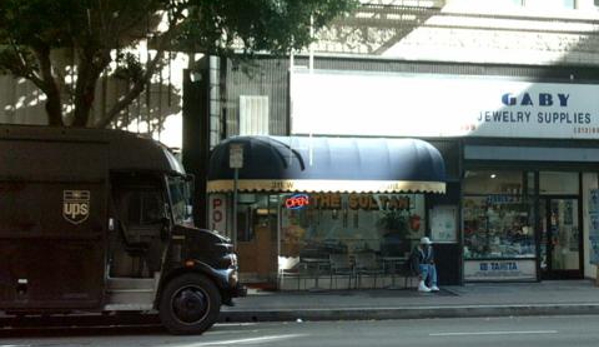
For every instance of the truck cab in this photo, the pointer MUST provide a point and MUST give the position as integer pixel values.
(99, 221)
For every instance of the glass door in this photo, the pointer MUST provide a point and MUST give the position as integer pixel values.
(560, 238)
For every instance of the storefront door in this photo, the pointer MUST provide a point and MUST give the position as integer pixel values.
(560, 238)
(257, 240)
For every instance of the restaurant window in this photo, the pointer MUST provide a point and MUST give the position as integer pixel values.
(498, 215)
(386, 224)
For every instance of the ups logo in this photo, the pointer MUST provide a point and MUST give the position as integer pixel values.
(75, 205)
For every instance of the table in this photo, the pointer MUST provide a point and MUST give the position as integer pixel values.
(314, 266)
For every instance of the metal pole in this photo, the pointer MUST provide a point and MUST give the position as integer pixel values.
(235, 179)
(311, 48)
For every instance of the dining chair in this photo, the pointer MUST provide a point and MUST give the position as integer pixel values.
(367, 265)
(340, 267)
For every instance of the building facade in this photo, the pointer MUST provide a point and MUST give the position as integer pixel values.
(504, 90)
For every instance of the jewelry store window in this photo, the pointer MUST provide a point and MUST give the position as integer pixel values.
(498, 215)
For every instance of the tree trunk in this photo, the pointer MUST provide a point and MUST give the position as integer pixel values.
(49, 87)
(83, 104)
(54, 107)
(85, 90)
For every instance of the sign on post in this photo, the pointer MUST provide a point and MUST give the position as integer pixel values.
(235, 162)
(236, 156)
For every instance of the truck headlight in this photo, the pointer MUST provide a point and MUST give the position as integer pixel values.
(233, 278)
(229, 261)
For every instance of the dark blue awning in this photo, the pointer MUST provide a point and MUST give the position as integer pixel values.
(320, 164)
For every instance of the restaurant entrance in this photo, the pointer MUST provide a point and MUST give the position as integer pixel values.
(302, 223)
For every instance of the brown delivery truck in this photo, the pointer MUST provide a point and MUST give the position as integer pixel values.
(99, 221)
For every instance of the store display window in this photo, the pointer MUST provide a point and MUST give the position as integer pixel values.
(498, 215)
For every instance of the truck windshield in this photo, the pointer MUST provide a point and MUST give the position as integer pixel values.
(180, 189)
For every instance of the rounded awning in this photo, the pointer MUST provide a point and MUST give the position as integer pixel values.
(321, 164)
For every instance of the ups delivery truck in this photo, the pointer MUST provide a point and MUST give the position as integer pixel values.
(99, 221)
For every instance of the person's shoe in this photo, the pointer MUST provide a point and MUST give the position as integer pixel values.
(423, 288)
(434, 288)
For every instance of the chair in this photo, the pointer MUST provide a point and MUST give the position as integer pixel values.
(290, 268)
(409, 271)
(135, 248)
(340, 266)
(394, 267)
(367, 264)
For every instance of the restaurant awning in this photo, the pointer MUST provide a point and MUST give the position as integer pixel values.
(321, 164)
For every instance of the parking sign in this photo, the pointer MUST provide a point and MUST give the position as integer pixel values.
(236, 156)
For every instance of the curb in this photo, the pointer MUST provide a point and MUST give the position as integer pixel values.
(335, 314)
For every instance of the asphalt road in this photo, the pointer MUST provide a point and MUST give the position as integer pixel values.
(512, 331)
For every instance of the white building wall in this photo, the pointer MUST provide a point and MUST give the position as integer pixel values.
(157, 111)
(20, 101)
(481, 31)
(489, 31)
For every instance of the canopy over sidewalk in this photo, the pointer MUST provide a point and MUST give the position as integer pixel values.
(321, 164)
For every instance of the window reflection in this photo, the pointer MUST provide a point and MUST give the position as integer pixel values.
(333, 223)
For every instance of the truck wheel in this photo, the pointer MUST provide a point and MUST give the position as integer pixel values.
(189, 304)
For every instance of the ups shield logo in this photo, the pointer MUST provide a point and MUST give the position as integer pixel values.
(75, 205)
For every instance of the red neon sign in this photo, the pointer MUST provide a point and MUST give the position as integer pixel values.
(297, 201)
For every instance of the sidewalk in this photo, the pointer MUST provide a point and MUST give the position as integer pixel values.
(471, 300)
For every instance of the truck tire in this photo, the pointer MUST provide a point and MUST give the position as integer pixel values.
(190, 304)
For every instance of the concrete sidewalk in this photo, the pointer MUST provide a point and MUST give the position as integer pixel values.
(471, 300)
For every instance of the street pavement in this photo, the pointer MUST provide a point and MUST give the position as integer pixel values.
(565, 297)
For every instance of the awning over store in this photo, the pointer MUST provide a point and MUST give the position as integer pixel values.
(320, 164)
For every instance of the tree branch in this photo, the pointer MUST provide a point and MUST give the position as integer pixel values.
(24, 67)
(132, 93)
(91, 65)
(140, 84)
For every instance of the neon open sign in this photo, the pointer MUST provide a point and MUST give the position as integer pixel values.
(297, 201)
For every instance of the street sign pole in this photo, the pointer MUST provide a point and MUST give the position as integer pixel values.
(235, 199)
(236, 163)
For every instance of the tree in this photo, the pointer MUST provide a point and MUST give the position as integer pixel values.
(35, 34)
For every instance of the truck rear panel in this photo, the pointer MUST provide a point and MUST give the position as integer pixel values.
(53, 211)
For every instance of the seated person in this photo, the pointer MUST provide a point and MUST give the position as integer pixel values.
(423, 262)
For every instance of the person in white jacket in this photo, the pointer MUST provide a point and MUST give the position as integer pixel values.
(423, 261)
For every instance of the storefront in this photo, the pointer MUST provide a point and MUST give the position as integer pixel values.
(528, 210)
(519, 145)
(526, 148)
(305, 200)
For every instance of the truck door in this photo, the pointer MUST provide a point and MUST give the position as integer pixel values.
(138, 241)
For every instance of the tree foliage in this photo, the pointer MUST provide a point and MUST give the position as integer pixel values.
(35, 36)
